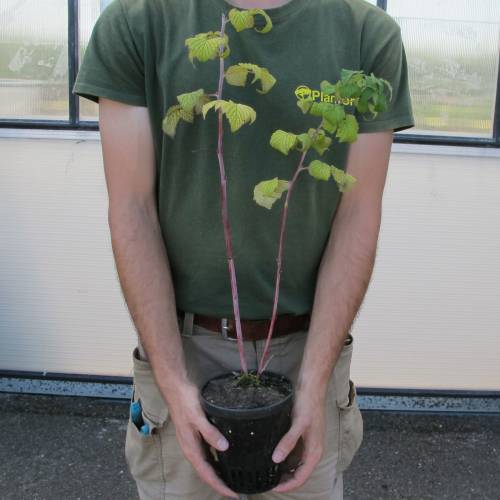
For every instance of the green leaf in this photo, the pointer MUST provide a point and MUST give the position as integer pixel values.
(283, 141)
(327, 88)
(190, 100)
(347, 74)
(317, 108)
(237, 114)
(344, 180)
(267, 81)
(305, 104)
(205, 46)
(173, 115)
(237, 75)
(245, 19)
(320, 170)
(269, 24)
(334, 114)
(216, 103)
(201, 102)
(321, 142)
(265, 193)
(328, 126)
(303, 142)
(351, 83)
(241, 19)
(347, 130)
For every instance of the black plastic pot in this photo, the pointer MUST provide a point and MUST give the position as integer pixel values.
(247, 465)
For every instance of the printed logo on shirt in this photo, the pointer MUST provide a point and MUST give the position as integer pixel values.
(304, 92)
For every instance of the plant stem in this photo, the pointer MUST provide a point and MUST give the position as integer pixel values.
(224, 212)
(279, 259)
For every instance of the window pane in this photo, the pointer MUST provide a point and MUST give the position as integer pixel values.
(34, 59)
(89, 12)
(452, 48)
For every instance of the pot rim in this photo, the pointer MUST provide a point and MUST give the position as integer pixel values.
(259, 412)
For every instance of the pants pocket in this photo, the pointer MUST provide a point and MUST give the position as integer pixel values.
(345, 402)
(350, 429)
(148, 416)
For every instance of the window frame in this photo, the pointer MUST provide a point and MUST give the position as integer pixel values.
(74, 122)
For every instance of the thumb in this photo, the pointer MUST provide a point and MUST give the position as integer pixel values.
(212, 435)
(287, 443)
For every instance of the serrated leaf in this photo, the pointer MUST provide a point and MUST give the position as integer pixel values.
(238, 114)
(305, 104)
(327, 88)
(317, 108)
(172, 116)
(334, 114)
(201, 102)
(319, 170)
(347, 130)
(269, 24)
(304, 142)
(241, 19)
(328, 126)
(237, 75)
(217, 103)
(320, 142)
(205, 46)
(189, 100)
(245, 19)
(283, 141)
(265, 193)
(267, 81)
(344, 180)
(345, 74)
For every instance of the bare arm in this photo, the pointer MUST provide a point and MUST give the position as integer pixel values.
(144, 273)
(347, 263)
(138, 248)
(343, 278)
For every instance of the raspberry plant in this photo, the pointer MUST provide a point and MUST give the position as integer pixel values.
(370, 95)
(368, 92)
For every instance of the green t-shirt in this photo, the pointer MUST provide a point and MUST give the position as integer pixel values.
(137, 55)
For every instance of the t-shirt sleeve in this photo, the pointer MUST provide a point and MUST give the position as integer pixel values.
(383, 54)
(112, 65)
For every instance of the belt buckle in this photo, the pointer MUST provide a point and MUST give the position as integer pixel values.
(224, 328)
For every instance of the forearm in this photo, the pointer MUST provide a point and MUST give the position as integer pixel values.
(343, 278)
(145, 278)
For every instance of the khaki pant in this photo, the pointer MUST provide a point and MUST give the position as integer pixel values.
(156, 461)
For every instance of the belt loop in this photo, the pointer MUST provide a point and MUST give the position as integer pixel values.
(224, 328)
(187, 324)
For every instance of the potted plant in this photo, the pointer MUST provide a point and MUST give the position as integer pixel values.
(253, 408)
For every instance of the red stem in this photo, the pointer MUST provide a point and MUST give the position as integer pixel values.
(279, 259)
(225, 215)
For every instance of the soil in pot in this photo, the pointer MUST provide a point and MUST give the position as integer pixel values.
(253, 418)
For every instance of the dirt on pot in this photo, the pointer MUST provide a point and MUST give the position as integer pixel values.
(227, 392)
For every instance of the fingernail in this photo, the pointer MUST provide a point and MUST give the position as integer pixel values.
(222, 444)
(277, 456)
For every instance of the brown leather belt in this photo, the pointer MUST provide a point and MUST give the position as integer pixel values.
(252, 329)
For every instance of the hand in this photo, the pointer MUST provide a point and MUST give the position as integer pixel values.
(303, 441)
(190, 421)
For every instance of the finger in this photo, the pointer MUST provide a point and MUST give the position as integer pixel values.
(211, 434)
(287, 443)
(195, 455)
(302, 473)
(207, 474)
(294, 458)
